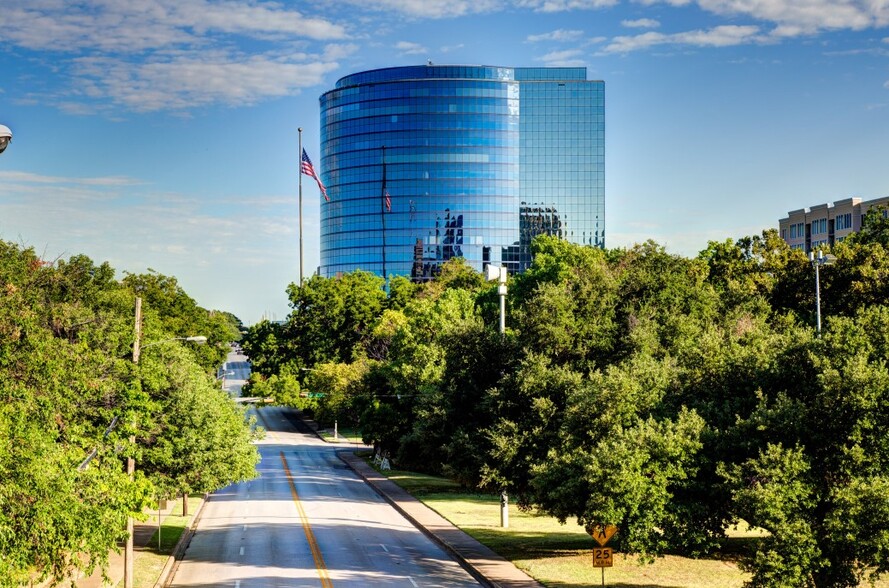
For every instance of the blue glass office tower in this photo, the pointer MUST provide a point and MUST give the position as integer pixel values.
(426, 163)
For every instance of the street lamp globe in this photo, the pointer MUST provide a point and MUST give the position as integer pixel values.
(5, 137)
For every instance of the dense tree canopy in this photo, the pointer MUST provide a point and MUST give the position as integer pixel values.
(669, 396)
(71, 396)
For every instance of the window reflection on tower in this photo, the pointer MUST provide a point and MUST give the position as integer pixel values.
(479, 161)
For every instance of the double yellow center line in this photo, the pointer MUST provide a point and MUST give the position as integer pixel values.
(310, 536)
(307, 528)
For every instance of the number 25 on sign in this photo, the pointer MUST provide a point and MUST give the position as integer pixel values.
(602, 557)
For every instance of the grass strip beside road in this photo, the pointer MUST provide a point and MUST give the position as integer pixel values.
(556, 554)
(561, 556)
(343, 434)
(149, 561)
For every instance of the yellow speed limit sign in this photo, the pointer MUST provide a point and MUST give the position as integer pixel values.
(602, 557)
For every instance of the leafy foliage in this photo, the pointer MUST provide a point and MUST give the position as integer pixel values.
(70, 398)
(669, 396)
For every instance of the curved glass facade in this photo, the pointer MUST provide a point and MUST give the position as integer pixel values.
(426, 163)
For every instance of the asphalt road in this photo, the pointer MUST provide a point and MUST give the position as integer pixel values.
(234, 373)
(308, 520)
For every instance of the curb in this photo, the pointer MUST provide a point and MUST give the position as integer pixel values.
(394, 503)
(316, 430)
(505, 574)
(179, 550)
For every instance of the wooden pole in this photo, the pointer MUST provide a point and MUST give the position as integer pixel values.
(131, 463)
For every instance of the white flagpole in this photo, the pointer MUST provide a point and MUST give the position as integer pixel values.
(300, 129)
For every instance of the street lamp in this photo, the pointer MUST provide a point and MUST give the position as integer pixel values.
(199, 339)
(499, 272)
(5, 137)
(817, 262)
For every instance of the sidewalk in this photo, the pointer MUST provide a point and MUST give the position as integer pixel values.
(143, 531)
(488, 568)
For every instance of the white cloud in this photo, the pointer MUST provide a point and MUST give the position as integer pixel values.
(27, 177)
(564, 5)
(811, 15)
(408, 48)
(151, 55)
(189, 81)
(722, 36)
(249, 18)
(151, 24)
(791, 17)
(641, 23)
(557, 35)
(569, 58)
(799, 17)
(61, 216)
(431, 8)
(173, 54)
(335, 51)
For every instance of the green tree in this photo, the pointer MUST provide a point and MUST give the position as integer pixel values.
(874, 228)
(819, 478)
(264, 345)
(331, 317)
(199, 439)
(166, 303)
(61, 383)
(70, 397)
(339, 383)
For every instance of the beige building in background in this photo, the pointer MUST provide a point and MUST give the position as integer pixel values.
(826, 224)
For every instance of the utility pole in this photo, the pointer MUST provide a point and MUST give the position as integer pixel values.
(131, 462)
(500, 273)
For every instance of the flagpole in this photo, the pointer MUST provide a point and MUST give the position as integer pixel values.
(300, 129)
(383, 213)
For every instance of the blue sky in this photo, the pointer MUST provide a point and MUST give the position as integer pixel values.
(162, 134)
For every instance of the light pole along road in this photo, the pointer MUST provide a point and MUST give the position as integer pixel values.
(308, 520)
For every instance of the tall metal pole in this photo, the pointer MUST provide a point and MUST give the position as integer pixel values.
(383, 213)
(137, 341)
(131, 463)
(503, 309)
(501, 290)
(817, 261)
(300, 129)
(818, 296)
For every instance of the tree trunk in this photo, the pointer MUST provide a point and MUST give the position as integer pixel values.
(185, 504)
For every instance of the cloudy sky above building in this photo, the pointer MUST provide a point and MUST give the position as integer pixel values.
(162, 134)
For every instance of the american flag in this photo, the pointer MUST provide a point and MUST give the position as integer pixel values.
(388, 201)
(309, 170)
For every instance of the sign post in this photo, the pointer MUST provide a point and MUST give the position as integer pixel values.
(603, 557)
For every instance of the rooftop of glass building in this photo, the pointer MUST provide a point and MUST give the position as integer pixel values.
(472, 72)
